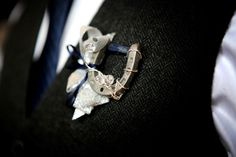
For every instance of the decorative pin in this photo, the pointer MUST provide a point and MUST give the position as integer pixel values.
(88, 87)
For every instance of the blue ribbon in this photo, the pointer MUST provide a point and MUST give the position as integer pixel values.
(114, 48)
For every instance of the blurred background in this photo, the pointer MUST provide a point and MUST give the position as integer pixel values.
(5, 11)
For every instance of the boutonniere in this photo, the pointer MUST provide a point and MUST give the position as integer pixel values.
(87, 86)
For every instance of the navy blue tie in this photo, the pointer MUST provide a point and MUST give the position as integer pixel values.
(43, 71)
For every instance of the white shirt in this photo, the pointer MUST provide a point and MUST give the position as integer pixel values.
(224, 89)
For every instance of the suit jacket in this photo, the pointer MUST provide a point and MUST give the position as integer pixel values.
(167, 109)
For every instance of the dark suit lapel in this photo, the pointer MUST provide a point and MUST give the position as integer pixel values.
(167, 104)
(17, 60)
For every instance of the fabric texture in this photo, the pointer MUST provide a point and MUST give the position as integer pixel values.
(166, 111)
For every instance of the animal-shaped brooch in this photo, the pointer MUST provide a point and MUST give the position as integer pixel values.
(88, 87)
